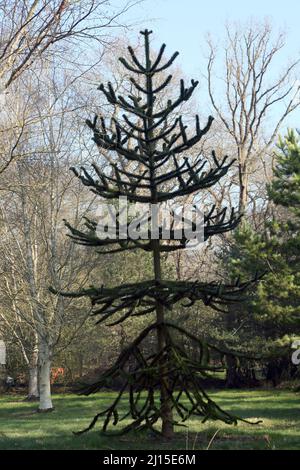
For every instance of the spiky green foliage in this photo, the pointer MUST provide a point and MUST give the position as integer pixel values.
(279, 296)
(275, 305)
(153, 141)
(285, 188)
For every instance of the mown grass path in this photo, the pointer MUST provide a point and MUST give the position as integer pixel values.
(22, 428)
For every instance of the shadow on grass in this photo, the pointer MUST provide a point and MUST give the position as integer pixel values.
(23, 428)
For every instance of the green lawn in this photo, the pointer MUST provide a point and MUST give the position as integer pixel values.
(22, 428)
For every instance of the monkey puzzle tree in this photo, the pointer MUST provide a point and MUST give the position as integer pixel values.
(157, 163)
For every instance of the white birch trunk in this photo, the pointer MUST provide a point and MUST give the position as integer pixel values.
(33, 388)
(2, 366)
(33, 385)
(44, 377)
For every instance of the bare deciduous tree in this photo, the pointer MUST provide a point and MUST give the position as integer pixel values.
(30, 28)
(35, 35)
(250, 94)
(34, 253)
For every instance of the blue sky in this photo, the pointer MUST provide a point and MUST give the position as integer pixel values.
(184, 24)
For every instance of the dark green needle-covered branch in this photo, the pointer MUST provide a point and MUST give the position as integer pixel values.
(155, 143)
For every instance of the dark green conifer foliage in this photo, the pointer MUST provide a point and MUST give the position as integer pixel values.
(274, 310)
(276, 250)
(158, 143)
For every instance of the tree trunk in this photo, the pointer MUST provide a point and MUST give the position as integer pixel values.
(44, 377)
(232, 375)
(2, 366)
(33, 387)
(80, 364)
(165, 402)
(243, 182)
(2, 378)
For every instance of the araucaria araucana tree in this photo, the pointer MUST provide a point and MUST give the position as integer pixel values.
(157, 163)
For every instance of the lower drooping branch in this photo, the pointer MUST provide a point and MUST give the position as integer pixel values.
(141, 384)
(140, 299)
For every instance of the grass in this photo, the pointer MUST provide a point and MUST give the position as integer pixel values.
(22, 428)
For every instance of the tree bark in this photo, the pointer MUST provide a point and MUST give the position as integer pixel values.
(243, 184)
(232, 375)
(2, 378)
(165, 402)
(33, 388)
(44, 377)
(33, 384)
